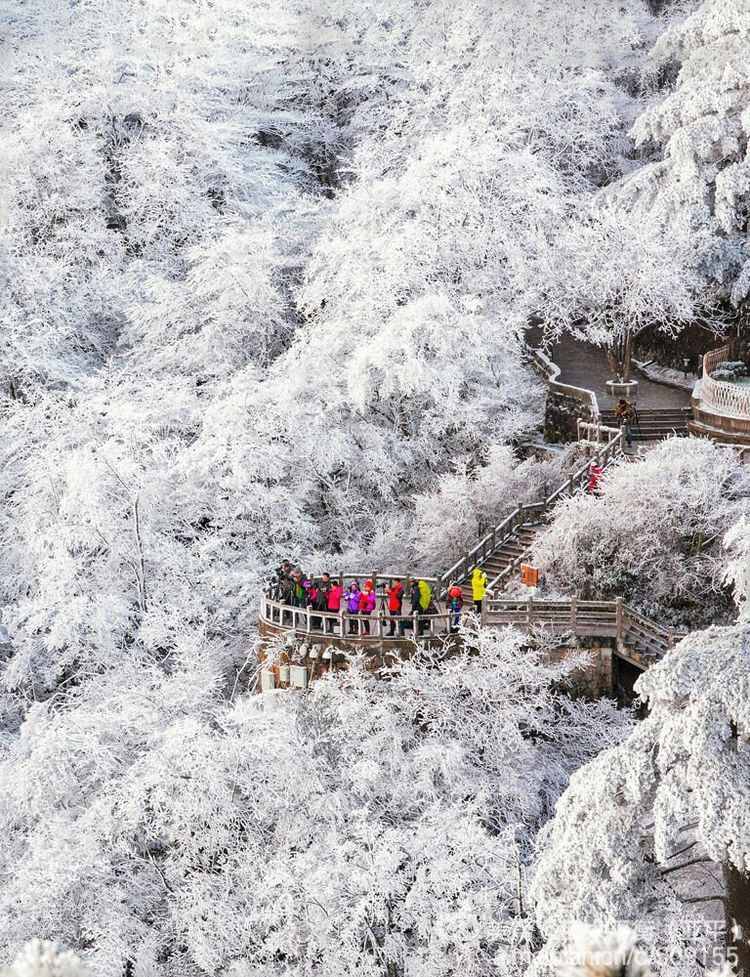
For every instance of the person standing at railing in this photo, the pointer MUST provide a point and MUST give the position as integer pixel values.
(478, 588)
(334, 597)
(414, 597)
(395, 595)
(351, 596)
(299, 589)
(318, 597)
(367, 601)
(281, 582)
(425, 603)
(454, 603)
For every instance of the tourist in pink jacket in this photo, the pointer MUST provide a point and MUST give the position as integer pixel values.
(335, 594)
(367, 602)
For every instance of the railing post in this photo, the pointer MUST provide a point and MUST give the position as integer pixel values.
(574, 612)
(415, 624)
(620, 619)
(308, 620)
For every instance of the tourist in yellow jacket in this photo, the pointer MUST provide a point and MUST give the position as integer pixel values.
(478, 587)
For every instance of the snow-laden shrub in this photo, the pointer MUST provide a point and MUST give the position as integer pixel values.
(365, 821)
(43, 959)
(654, 535)
(730, 371)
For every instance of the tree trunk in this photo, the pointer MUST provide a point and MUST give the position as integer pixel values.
(737, 912)
(627, 351)
(614, 367)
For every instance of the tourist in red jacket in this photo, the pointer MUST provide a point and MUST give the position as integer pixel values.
(395, 595)
(595, 476)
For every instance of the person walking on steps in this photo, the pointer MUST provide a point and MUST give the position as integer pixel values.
(593, 486)
(478, 588)
(625, 414)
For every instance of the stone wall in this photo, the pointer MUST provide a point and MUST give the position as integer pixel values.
(595, 679)
(561, 417)
(718, 427)
(319, 654)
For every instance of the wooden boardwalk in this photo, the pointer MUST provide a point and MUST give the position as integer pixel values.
(500, 551)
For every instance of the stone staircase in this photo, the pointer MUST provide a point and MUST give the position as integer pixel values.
(506, 558)
(654, 425)
(510, 553)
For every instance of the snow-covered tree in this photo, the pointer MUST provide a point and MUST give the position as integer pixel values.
(40, 959)
(266, 273)
(367, 826)
(635, 832)
(695, 140)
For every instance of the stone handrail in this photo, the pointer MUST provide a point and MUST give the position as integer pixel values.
(551, 371)
(730, 399)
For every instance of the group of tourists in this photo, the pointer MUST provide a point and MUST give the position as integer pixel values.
(328, 595)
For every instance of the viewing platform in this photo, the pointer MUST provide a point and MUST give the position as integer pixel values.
(318, 642)
(374, 628)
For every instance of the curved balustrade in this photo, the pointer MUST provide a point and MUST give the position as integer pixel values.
(731, 399)
(721, 397)
(361, 627)
(713, 358)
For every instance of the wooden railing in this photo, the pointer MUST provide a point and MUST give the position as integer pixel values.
(613, 619)
(375, 626)
(585, 618)
(531, 512)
